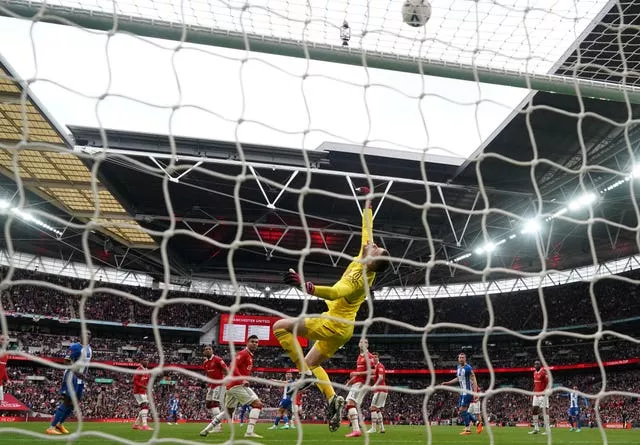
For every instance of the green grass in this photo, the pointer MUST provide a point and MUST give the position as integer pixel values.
(30, 434)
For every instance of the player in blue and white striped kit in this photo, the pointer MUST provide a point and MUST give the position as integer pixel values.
(72, 383)
(466, 378)
(285, 404)
(174, 407)
(574, 409)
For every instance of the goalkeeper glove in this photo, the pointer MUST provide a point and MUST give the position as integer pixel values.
(364, 191)
(292, 278)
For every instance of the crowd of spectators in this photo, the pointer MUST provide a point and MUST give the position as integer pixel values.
(506, 354)
(567, 305)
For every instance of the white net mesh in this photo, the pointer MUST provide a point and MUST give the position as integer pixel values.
(500, 35)
(520, 205)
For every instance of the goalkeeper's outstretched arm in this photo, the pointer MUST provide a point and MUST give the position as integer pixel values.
(373, 257)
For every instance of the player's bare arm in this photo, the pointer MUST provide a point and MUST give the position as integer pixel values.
(451, 382)
(474, 381)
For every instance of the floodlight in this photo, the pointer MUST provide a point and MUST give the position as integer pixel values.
(26, 216)
(636, 171)
(531, 226)
(462, 257)
(4, 204)
(582, 201)
(267, 289)
(489, 247)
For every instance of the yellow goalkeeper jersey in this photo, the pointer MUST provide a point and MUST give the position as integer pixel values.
(346, 296)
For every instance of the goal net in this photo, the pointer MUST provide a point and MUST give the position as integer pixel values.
(164, 162)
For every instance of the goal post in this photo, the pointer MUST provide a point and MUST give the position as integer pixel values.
(192, 33)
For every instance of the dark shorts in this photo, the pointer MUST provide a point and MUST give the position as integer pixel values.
(465, 400)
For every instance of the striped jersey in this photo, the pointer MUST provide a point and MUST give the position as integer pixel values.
(464, 377)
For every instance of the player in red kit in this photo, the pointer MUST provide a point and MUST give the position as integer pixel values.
(140, 382)
(296, 410)
(216, 369)
(4, 376)
(380, 392)
(238, 391)
(358, 379)
(540, 400)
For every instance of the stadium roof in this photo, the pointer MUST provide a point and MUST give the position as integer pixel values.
(217, 200)
(204, 204)
(48, 166)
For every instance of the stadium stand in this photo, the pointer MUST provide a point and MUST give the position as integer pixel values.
(35, 385)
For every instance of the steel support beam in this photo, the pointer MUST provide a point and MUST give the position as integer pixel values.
(92, 151)
(388, 235)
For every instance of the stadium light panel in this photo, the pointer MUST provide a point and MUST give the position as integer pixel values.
(531, 226)
(582, 201)
(28, 217)
(489, 247)
(462, 257)
(636, 171)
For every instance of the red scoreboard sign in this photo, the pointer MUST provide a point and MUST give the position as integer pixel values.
(243, 326)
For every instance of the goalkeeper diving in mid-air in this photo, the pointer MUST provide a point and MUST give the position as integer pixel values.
(343, 300)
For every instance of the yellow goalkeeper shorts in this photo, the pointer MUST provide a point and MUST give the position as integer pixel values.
(329, 335)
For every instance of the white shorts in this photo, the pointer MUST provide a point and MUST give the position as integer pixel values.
(1, 393)
(216, 394)
(356, 393)
(541, 401)
(239, 395)
(474, 408)
(295, 409)
(141, 398)
(379, 399)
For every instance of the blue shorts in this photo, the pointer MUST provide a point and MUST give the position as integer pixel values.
(465, 400)
(78, 386)
(173, 412)
(285, 404)
(574, 411)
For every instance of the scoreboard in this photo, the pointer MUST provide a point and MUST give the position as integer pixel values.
(243, 326)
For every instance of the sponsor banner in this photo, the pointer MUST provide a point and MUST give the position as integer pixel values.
(11, 419)
(10, 403)
(630, 361)
(614, 425)
(241, 327)
(111, 420)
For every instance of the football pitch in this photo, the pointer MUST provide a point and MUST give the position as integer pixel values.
(312, 434)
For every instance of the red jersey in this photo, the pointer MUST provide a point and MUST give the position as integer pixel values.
(299, 399)
(540, 380)
(380, 373)
(140, 381)
(4, 377)
(361, 366)
(216, 369)
(243, 368)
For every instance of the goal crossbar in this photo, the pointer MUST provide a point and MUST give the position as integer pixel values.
(168, 30)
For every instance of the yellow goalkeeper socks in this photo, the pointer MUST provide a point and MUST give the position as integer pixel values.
(324, 384)
(291, 346)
